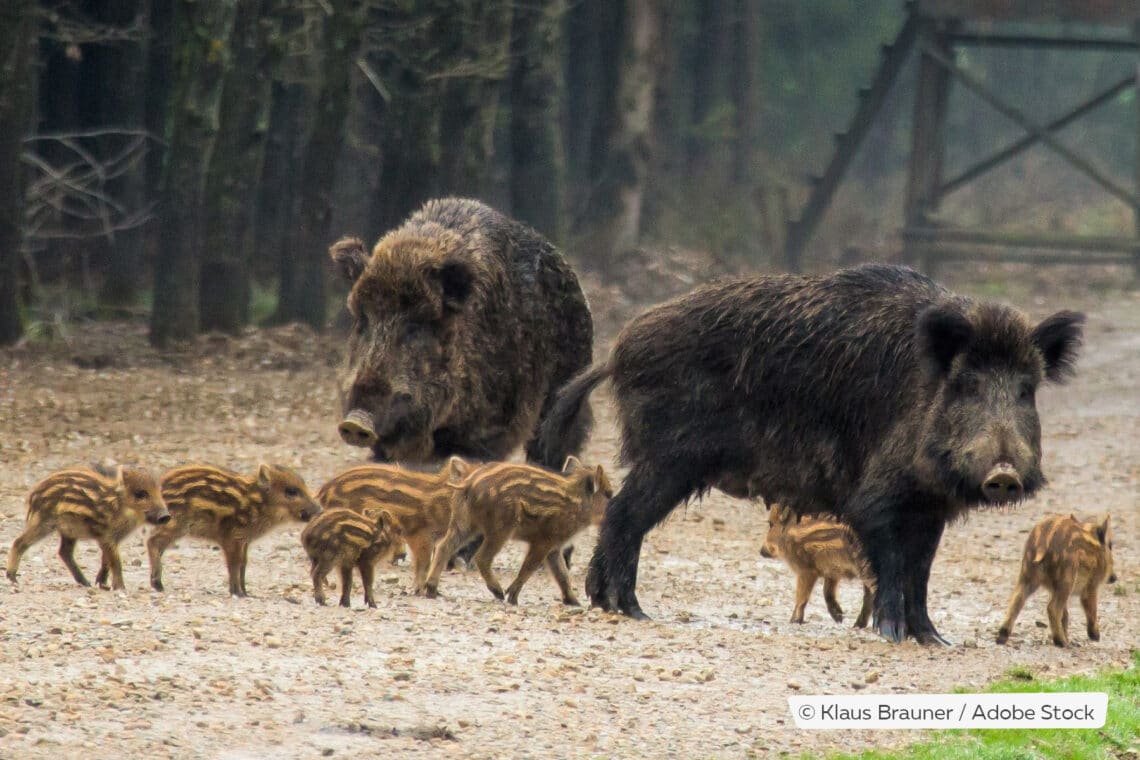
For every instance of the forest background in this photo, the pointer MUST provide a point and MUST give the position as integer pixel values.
(188, 162)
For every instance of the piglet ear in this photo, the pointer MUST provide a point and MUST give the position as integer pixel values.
(1103, 531)
(1058, 338)
(264, 477)
(942, 332)
(349, 257)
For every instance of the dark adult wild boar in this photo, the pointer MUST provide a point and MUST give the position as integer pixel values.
(466, 323)
(872, 394)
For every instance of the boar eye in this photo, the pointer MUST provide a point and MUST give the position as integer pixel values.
(1025, 393)
(141, 493)
(361, 323)
(292, 492)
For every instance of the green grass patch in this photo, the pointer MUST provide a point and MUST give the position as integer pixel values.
(1119, 738)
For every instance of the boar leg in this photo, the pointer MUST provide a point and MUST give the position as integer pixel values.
(649, 494)
(346, 585)
(1024, 590)
(534, 557)
(920, 544)
(367, 575)
(1057, 609)
(36, 529)
(805, 582)
(67, 554)
(443, 551)
(871, 517)
(556, 561)
(231, 550)
(243, 561)
(112, 560)
(422, 556)
(833, 608)
(155, 546)
(483, 558)
(865, 610)
(318, 571)
(1088, 603)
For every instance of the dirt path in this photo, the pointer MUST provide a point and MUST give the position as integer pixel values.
(194, 673)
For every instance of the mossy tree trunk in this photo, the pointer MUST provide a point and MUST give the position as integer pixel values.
(476, 43)
(305, 299)
(202, 30)
(231, 184)
(613, 217)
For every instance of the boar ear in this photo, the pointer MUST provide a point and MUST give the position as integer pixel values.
(1058, 338)
(1103, 531)
(349, 257)
(455, 279)
(572, 463)
(942, 333)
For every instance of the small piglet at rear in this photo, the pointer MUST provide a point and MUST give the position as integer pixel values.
(815, 549)
(345, 538)
(1065, 556)
(543, 508)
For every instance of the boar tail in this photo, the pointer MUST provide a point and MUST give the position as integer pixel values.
(561, 417)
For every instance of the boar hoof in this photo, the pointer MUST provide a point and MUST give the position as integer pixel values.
(930, 637)
(497, 592)
(571, 601)
(1060, 642)
(11, 576)
(892, 629)
(371, 604)
(1094, 635)
(1003, 636)
(429, 590)
(157, 585)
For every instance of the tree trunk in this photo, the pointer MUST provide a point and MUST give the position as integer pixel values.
(614, 212)
(477, 43)
(536, 147)
(123, 76)
(17, 38)
(593, 31)
(279, 183)
(340, 40)
(159, 74)
(200, 61)
(710, 145)
(231, 184)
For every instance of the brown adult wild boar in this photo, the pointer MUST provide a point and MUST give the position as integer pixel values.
(1065, 556)
(872, 394)
(465, 324)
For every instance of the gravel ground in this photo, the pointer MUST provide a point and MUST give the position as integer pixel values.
(194, 673)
